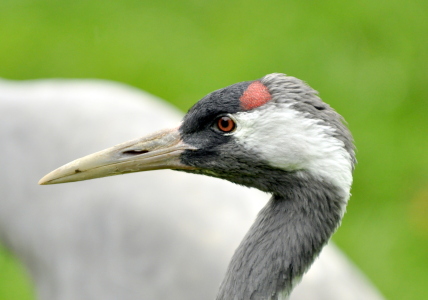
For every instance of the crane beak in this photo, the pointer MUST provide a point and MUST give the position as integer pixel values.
(160, 150)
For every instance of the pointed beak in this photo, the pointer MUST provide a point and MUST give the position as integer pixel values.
(160, 150)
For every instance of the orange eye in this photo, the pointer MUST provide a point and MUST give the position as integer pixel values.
(226, 124)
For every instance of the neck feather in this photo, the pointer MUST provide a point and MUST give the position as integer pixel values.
(287, 235)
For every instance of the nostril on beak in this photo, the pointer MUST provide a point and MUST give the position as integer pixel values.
(135, 152)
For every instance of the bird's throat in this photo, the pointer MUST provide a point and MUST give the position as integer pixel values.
(287, 235)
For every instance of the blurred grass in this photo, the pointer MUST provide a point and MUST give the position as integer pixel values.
(14, 282)
(368, 59)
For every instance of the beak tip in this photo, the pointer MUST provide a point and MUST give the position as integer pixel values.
(51, 178)
(44, 181)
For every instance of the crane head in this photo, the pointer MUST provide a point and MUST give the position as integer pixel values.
(250, 133)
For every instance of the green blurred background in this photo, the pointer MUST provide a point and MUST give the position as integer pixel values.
(367, 59)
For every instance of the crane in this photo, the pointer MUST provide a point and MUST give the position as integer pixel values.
(274, 134)
(119, 238)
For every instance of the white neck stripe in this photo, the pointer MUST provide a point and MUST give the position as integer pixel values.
(288, 140)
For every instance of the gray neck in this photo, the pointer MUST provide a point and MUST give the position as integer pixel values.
(287, 235)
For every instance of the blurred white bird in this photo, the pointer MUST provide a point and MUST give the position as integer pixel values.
(129, 237)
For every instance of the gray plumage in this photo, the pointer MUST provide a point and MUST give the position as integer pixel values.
(124, 237)
(283, 241)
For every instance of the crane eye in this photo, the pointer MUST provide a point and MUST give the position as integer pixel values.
(226, 124)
